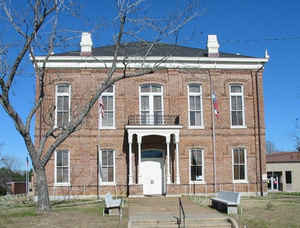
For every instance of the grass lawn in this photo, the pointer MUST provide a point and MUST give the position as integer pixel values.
(64, 215)
(275, 210)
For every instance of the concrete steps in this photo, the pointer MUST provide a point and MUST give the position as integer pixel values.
(172, 223)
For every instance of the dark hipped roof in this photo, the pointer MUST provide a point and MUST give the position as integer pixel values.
(159, 49)
(283, 157)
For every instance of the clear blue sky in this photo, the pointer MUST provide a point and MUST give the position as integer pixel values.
(247, 27)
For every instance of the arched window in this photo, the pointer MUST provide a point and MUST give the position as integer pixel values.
(151, 104)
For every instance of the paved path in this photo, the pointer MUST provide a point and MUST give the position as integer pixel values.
(166, 208)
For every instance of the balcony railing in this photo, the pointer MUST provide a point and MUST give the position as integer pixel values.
(153, 120)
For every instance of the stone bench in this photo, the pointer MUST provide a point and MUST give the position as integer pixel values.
(228, 201)
(111, 206)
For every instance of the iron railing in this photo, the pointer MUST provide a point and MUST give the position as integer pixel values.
(153, 120)
(181, 217)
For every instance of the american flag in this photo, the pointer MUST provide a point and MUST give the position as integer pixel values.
(215, 102)
(101, 107)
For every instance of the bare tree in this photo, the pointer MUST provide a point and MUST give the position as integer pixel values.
(38, 33)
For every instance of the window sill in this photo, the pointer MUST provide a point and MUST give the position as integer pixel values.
(239, 127)
(195, 127)
(62, 184)
(240, 181)
(197, 182)
(107, 184)
(107, 128)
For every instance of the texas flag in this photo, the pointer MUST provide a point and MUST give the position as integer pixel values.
(216, 109)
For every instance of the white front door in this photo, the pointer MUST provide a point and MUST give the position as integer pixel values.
(152, 173)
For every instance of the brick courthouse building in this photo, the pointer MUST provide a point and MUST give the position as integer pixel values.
(161, 133)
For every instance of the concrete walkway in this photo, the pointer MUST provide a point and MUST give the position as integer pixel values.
(166, 209)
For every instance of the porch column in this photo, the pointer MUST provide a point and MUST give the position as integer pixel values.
(139, 138)
(177, 160)
(130, 158)
(168, 159)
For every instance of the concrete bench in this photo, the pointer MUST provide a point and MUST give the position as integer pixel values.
(112, 205)
(228, 201)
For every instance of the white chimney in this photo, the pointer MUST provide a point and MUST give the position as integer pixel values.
(213, 46)
(86, 44)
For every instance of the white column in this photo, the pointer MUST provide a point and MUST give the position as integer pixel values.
(139, 159)
(168, 159)
(177, 160)
(130, 158)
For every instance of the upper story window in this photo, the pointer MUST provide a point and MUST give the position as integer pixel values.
(195, 106)
(63, 105)
(196, 165)
(237, 108)
(107, 166)
(151, 104)
(62, 167)
(239, 163)
(108, 118)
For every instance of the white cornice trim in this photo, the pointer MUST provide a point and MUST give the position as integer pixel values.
(150, 62)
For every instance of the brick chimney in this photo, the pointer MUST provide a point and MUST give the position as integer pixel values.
(213, 46)
(86, 44)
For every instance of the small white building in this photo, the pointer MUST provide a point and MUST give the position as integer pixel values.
(283, 169)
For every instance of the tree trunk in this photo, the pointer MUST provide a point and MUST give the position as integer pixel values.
(43, 203)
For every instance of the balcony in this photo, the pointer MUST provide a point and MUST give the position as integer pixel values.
(153, 120)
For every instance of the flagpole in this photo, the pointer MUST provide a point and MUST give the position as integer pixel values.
(213, 130)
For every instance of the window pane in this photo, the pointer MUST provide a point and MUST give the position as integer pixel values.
(60, 101)
(145, 102)
(192, 118)
(110, 174)
(193, 158)
(104, 174)
(59, 119)
(65, 158)
(194, 88)
(104, 158)
(110, 158)
(145, 88)
(242, 172)
(109, 103)
(66, 103)
(157, 103)
(65, 118)
(59, 158)
(65, 175)
(158, 118)
(198, 103)
(288, 177)
(198, 172)
(59, 175)
(239, 117)
(239, 103)
(236, 88)
(236, 172)
(242, 156)
(192, 103)
(233, 103)
(193, 173)
(156, 88)
(63, 88)
(197, 118)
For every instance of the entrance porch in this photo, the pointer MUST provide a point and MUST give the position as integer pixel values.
(153, 159)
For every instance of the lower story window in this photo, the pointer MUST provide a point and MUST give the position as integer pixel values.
(107, 166)
(239, 159)
(288, 177)
(196, 164)
(62, 167)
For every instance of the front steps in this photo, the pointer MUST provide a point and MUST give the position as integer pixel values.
(172, 223)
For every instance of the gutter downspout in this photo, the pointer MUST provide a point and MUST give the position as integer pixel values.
(259, 133)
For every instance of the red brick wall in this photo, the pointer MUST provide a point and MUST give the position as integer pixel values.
(82, 144)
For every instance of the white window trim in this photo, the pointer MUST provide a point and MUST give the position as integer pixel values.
(246, 167)
(151, 94)
(62, 94)
(243, 105)
(203, 167)
(201, 105)
(55, 171)
(114, 111)
(100, 168)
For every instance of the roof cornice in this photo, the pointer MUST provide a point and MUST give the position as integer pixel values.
(152, 61)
